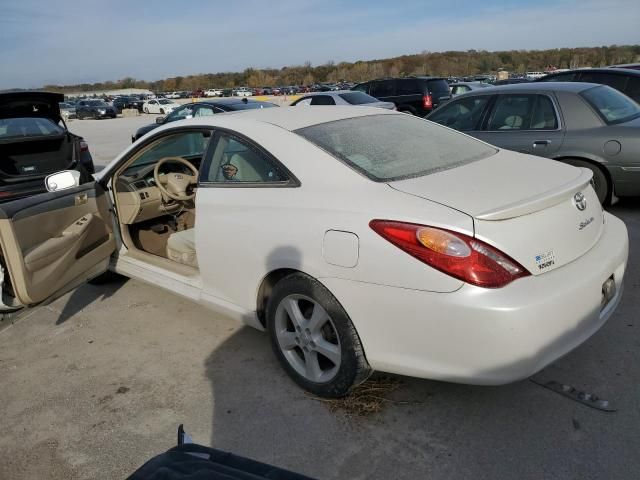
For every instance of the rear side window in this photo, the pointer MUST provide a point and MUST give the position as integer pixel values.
(409, 87)
(633, 88)
(523, 112)
(357, 98)
(616, 81)
(562, 77)
(438, 86)
(394, 147)
(544, 115)
(384, 88)
(322, 100)
(612, 106)
(463, 114)
(236, 161)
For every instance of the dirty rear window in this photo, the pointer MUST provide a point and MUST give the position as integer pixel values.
(394, 147)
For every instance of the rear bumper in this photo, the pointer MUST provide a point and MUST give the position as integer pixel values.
(487, 336)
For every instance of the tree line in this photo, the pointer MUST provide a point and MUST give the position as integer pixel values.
(453, 63)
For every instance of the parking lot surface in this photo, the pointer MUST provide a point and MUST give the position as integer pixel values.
(96, 383)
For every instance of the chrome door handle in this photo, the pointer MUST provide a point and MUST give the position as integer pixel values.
(541, 142)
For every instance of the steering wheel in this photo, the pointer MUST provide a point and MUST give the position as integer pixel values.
(175, 185)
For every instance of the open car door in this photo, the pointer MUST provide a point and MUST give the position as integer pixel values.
(53, 242)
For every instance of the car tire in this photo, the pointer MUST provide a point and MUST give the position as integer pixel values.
(300, 343)
(146, 110)
(599, 182)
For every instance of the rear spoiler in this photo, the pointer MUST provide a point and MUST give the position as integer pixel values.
(538, 202)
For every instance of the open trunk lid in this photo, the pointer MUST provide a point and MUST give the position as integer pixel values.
(542, 213)
(31, 104)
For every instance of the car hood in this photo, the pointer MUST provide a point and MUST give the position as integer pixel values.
(145, 129)
(387, 105)
(31, 104)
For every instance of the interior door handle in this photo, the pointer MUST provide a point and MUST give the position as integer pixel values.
(541, 142)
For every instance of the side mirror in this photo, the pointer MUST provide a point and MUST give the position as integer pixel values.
(62, 180)
(159, 120)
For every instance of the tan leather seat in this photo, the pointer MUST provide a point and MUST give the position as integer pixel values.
(181, 247)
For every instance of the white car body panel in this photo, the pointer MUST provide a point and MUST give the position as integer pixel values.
(487, 336)
(411, 318)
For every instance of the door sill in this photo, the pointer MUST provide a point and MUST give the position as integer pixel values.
(177, 278)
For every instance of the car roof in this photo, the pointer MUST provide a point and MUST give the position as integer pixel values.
(331, 92)
(622, 71)
(534, 87)
(288, 118)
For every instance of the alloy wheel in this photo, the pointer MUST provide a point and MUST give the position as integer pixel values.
(308, 338)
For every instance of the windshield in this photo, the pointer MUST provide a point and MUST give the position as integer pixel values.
(395, 147)
(613, 106)
(252, 105)
(97, 103)
(28, 127)
(357, 98)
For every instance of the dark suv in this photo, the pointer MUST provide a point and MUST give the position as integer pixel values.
(121, 103)
(35, 142)
(417, 95)
(624, 80)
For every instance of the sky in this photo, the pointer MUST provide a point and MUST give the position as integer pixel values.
(77, 41)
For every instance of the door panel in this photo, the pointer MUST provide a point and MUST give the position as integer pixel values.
(50, 241)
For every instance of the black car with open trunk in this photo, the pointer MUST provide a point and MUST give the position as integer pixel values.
(35, 142)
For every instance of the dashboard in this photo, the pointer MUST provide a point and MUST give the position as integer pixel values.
(139, 198)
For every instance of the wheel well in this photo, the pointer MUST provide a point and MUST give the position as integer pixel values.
(596, 164)
(264, 292)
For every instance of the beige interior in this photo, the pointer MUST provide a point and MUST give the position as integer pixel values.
(47, 251)
(151, 222)
(134, 209)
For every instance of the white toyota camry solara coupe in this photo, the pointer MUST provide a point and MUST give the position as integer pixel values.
(359, 239)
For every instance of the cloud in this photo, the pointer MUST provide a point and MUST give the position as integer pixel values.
(87, 41)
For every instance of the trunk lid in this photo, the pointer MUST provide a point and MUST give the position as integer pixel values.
(528, 207)
(31, 104)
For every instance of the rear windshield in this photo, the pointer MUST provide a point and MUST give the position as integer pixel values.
(164, 102)
(252, 105)
(357, 98)
(28, 127)
(613, 106)
(438, 86)
(395, 147)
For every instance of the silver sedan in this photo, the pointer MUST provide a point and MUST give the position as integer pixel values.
(342, 97)
(582, 124)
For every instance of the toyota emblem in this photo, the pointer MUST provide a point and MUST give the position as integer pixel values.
(579, 201)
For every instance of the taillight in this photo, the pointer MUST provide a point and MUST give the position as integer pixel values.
(427, 102)
(453, 253)
(84, 146)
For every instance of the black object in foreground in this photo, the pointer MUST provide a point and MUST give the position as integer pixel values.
(196, 462)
